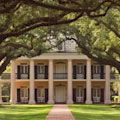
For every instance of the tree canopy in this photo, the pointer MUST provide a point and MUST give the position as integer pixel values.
(98, 38)
(19, 18)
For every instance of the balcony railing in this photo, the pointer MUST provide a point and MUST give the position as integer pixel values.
(115, 76)
(41, 76)
(79, 76)
(98, 76)
(60, 75)
(5, 76)
(22, 76)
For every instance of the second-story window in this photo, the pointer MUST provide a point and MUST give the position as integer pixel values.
(40, 68)
(96, 69)
(60, 67)
(24, 69)
(80, 69)
(60, 71)
(41, 71)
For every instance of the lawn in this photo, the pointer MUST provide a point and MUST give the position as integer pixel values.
(95, 112)
(24, 112)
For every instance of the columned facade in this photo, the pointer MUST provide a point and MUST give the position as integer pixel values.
(32, 93)
(50, 83)
(13, 84)
(88, 83)
(69, 88)
(48, 79)
(107, 85)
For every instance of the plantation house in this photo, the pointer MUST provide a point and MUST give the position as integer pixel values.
(61, 76)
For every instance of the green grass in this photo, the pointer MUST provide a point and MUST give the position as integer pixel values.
(95, 112)
(24, 112)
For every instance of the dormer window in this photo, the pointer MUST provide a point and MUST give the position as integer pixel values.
(60, 46)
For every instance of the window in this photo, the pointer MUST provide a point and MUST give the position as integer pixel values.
(96, 69)
(80, 69)
(40, 92)
(23, 68)
(40, 68)
(24, 92)
(80, 92)
(96, 92)
(60, 67)
(60, 46)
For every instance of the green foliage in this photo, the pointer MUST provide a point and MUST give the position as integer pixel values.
(8, 69)
(115, 99)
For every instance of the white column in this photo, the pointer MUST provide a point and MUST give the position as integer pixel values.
(107, 85)
(32, 93)
(50, 83)
(69, 88)
(0, 93)
(88, 83)
(13, 84)
(119, 92)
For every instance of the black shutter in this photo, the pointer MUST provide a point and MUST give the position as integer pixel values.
(102, 95)
(46, 72)
(35, 71)
(84, 94)
(92, 94)
(74, 95)
(74, 71)
(18, 72)
(28, 93)
(28, 71)
(102, 72)
(46, 95)
(92, 72)
(18, 95)
(36, 95)
(84, 71)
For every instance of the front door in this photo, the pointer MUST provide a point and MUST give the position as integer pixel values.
(60, 94)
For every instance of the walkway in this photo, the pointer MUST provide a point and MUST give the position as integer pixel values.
(60, 112)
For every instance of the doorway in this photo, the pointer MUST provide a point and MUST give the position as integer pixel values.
(60, 94)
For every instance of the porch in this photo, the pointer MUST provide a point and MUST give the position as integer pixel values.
(60, 93)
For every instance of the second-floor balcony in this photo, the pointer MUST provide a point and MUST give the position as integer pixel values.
(115, 76)
(5, 76)
(79, 76)
(98, 76)
(60, 76)
(41, 76)
(22, 76)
